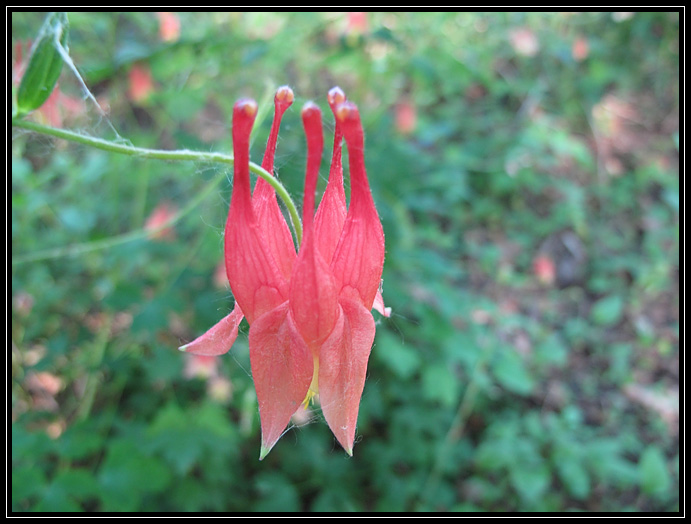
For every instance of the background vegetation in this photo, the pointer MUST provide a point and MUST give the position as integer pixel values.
(525, 166)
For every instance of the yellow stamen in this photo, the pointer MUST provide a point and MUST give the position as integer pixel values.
(314, 385)
(308, 398)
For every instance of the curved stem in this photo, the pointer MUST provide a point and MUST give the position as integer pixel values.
(161, 154)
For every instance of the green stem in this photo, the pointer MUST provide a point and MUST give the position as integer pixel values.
(161, 154)
(92, 375)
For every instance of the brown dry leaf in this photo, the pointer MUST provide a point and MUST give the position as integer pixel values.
(664, 403)
(44, 382)
(43, 387)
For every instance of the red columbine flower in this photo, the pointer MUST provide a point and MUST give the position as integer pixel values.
(311, 329)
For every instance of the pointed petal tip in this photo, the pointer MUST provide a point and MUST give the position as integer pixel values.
(346, 444)
(378, 305)
(266, 448)
(218, 339)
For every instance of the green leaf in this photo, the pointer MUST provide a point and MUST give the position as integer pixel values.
(511, 373)
(403, 360)
(604, 457)
(276, 493)
(128, 474)
(572, 471)
(26, 483)
(552, 351)
(608, 310)
(332, 499)
(67, 489)
(45, 64)
(197, 430)
(494, 455)
(439, 383)
(79, 442)
(529, 473)
(653, 473)
(78, 482)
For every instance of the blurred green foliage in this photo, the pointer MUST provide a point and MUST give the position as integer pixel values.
(525, 166)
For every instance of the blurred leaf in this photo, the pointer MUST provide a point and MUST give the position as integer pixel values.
(177, 438)
(153, 316)
(572, 473)
(183, 437)
(619, 369)
(276, 493)
(332, 500)
(608, 310)
(552, 351)
(511, 373)
(655, 478)
(402, 359)
(77, 219)
(440, 384)
(26, 483)
(184, 105)
(604, 457)
(529, 473)
(497, 450)
(127, 475)
(79, 441)
(531, 482)
(67, 489)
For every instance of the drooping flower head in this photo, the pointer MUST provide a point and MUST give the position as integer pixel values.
(311, 329)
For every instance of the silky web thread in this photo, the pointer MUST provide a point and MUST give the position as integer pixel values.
(67, 59)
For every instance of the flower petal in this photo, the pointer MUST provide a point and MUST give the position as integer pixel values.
(282, 368)
(278, 238)
(328, 223)
(378, 305)
(313, 296)
(219, 339)
(268, 214)
(257, 283)
(331, 214)
(359, 258)
(342, 370)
